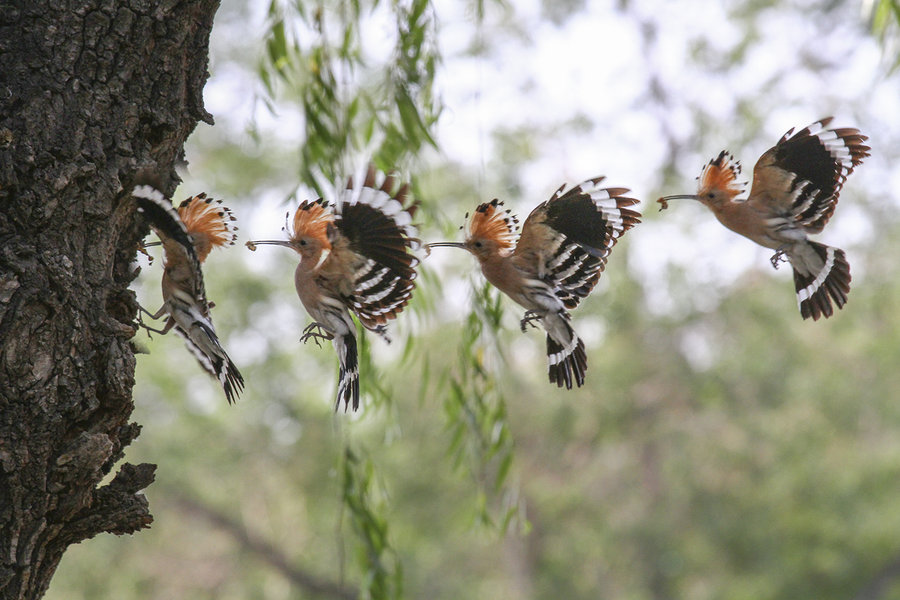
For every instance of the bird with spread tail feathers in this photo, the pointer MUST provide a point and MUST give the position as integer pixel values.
(187, 237)
(354, 256)
(796, 185)
(563, 248)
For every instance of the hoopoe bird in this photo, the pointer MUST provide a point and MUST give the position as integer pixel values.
(355, 256)
(560, 254)
(796, 185)
(187, 237)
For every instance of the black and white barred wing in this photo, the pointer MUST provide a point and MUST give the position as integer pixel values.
(176, 241)
(582, 226)
(802, 175)
(377, 222)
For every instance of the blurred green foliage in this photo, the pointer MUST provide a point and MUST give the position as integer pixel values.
(723, 448)
(351, 109)
(771, 472)
(885, 15)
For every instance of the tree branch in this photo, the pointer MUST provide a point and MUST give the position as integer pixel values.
(264, 550)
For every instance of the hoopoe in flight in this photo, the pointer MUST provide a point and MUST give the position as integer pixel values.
(187, 236)
(563, 248)
(795, 190)
(353, 257)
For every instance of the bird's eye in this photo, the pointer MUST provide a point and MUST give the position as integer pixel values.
(302, 242)
(478, 244)
(710, 195)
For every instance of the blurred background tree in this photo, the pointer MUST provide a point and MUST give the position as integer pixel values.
(722, 447)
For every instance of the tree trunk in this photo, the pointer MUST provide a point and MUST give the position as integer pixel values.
(91, 92)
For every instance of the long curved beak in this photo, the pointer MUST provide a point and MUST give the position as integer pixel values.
(446, 245)
(253, 244)
(664, 201)
(428, 247)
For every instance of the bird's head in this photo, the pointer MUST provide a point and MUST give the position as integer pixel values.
(209, 222)
(491, 231)
(717, 184)
(308, 233)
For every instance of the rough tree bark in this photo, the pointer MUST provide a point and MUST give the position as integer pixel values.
(90, 92)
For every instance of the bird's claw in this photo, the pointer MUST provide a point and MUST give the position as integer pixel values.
(149, 329)
(315, 332)
(529, 319)
(140, 321)
(778, 258)
(141, 324)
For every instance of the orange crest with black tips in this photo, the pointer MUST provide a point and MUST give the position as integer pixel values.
(209, 222)
(312, 220)
(721, 174)
(491, 221)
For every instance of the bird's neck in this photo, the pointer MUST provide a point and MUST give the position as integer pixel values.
(502, 273)
(202, 246)
(742, 218)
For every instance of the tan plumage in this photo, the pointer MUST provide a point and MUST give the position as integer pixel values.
(183, 291)
(556, 262)
(796, 185)
(355, 257)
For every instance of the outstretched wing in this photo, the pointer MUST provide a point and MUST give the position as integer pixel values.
(376, 221)
(176, 241)
(802, 175)
(570, 236)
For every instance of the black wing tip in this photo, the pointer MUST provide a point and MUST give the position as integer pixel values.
(382, 293)
(593, 222)
(376, 234)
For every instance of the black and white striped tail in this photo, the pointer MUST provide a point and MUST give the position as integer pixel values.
(188, 307)
(204, 344)
(566, 359)
(826, 281)
(348, 376)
